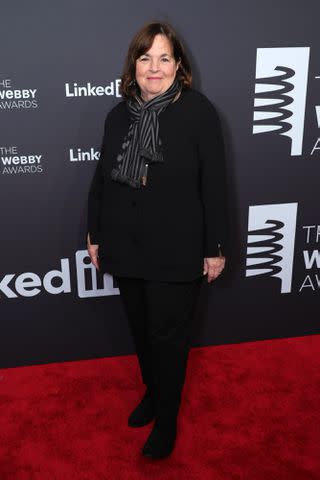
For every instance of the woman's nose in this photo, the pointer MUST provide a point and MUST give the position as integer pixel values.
(154, 66)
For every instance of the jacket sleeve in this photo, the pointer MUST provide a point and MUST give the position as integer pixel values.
(95, 195)
(213, 181)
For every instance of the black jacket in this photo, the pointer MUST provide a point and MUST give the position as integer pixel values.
(163, 230)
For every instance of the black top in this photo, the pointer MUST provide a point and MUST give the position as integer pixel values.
(163, 230)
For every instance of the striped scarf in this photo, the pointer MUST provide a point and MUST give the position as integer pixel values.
(142, 144)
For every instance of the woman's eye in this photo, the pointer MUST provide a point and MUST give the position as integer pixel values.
(165, 59)
(143, 59)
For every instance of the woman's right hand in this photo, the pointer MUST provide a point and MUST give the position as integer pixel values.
(93, 252)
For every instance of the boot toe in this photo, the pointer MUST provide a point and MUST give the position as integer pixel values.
(160, 442)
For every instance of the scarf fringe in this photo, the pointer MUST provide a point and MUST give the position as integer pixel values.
(122, 178)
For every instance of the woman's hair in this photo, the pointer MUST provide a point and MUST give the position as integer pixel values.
(140, 44)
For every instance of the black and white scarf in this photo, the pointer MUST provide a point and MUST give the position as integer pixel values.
(142, 144)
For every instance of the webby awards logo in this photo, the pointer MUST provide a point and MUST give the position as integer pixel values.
(13, 97)
(271, 246)
(271, 235)
(280, 95)
(13, 161)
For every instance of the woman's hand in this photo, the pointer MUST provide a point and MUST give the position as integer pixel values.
(213, 266)
(93, 252)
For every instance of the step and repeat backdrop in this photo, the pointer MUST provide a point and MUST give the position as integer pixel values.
(259, 63)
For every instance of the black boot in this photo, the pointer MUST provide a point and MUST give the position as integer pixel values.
(144, 413)
(161, 440)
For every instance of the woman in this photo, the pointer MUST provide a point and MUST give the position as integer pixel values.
(157, 216)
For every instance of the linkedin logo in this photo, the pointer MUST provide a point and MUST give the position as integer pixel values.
(90, 283)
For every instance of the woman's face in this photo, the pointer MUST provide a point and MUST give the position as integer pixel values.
(156, 69)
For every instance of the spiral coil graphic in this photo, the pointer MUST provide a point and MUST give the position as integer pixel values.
(281, 94)
(270, 248)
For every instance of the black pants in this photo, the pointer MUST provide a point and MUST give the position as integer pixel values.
(160, 316)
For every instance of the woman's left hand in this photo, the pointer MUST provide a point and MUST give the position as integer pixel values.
(213, 266)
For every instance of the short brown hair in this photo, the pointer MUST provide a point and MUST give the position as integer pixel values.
(141, 43)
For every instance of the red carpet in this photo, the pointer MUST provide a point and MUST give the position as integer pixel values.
(250, 411)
